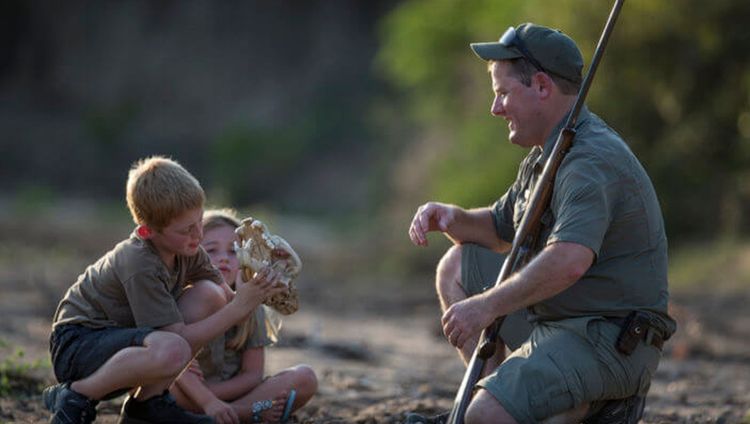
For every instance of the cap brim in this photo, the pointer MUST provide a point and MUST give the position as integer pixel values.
(494, 51)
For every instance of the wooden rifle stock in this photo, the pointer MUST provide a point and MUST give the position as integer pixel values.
(526, 236)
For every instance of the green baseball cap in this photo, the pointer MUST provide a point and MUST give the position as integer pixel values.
(548, 49)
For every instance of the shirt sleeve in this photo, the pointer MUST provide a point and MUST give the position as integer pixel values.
(263, 333)
(150, 301)
(502, 215)
(583, 202)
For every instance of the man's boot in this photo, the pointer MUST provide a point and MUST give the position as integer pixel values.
(624, 411)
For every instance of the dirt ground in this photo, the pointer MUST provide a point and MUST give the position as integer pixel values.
(378, 353)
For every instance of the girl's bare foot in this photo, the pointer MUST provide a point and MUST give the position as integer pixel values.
(273, 415)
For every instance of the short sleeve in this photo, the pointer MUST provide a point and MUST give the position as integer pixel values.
(583, 202)
(265, 330)
(502, 215)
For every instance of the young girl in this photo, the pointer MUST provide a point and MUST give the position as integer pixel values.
(228, 381)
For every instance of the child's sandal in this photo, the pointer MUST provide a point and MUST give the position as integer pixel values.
(259, 407)
(288, 406)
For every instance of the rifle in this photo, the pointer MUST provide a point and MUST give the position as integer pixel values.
(526, 236)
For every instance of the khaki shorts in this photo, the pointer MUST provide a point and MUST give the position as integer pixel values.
(562, 364)
(479, 270)
(78, 351)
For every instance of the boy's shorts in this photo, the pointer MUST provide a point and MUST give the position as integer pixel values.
(78, 351)
(564, 363)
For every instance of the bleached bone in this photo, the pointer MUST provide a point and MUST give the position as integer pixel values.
(255, 251)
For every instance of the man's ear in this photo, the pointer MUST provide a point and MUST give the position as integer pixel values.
(544, 84)
(143, 232)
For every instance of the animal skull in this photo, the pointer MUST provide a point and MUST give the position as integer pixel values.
(256, 250)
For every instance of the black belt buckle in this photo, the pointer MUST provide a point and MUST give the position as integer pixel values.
(632, 331)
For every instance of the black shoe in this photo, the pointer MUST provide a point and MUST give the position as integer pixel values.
(619, 411)
(68, 406)
(158, 409)
(421, 419)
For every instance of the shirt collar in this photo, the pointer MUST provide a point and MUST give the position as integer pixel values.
(549, 144)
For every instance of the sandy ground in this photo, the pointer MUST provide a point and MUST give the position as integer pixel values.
(378, 358)
(376, 347)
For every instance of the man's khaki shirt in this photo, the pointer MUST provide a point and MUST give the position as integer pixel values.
(604, 200)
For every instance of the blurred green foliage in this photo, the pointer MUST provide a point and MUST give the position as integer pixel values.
(252, 161)
(33, 199)
(746, 418)
(244, 159)
(722, 265)
(15, 373)
(107, 125)
(675, 82)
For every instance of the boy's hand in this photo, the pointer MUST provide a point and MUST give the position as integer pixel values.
(264, 284)
(228, 292)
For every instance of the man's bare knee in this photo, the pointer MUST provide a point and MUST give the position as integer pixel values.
(449, 266)
(485, 409)
(448, 278)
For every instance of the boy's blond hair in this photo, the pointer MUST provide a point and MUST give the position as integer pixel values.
(159, 189)
(215, 218)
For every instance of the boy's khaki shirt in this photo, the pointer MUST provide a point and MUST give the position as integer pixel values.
(131, 287)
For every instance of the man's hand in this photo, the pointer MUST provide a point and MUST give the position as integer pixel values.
(431, 216)
(466, 319)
